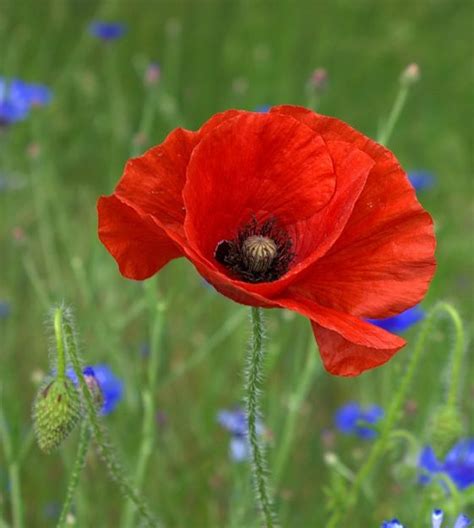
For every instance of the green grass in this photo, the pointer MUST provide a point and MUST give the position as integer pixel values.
(216, 55)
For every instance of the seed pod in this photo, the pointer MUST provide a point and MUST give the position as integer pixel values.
(56, 411)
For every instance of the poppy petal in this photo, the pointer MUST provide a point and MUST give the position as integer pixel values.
(138, 245)
(242, 169)
(348, 346)
(153, 183)
(384, 259)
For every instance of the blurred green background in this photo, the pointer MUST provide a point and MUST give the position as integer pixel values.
(216, 55)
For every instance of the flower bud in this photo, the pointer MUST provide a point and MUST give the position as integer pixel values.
(410, 75)
(446, 429)
(319, 80)
(94, 387)
(56, 411)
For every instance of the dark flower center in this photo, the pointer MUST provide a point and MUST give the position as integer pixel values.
(259, 253)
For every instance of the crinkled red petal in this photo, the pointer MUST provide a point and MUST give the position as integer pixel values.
(151, 187)
(348, 345)
(255, 165)
(383, 261)
(138, 244)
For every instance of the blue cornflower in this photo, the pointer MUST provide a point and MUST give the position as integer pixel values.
(38, 94)
(17, 97)
(351, 418)
(402, 321)
(236, 423)
(263, 109)
(5, 309)
(458, 464)
(110, 385)
(14, 101)
(437, 517)
(394, 523)
(421, 179)
(107, 30)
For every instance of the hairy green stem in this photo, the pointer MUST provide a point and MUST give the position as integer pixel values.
(394, 411)
(84, 442)
(58, 334)
(100, 434)
(253, 377)
(456, 355)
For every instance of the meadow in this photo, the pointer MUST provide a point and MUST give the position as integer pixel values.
(177, 346)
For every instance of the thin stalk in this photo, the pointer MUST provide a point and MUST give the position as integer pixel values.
(99, 433)
(13, 474)
(456, 356)
(296, 399)
(84, 442)
(394, 115)
(394, 412)
(58, 333)
(148, 424)
(253, 377)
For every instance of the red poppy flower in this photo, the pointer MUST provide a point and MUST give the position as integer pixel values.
(288, 209)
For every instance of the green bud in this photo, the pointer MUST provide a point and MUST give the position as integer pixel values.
(56, 411)
(447, 428)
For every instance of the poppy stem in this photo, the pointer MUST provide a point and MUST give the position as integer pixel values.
(253, 378)
(60, 356)
(98, 431)
(394, 411)
(84, 442)
(456, 355)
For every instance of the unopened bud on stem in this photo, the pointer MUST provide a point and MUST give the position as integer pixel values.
(56, 412)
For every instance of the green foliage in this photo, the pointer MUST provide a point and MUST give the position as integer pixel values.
(215, 55)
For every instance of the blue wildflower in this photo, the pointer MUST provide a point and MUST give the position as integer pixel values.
(394, 523)
(38, 94)
(263, 109)
(107, 30)
(402, 321)
(5, 309)
(236, 423)
(110, 385)
(14, 101)
(437, 517)
(351, 418)
(17, 97)
(421, 179)
(458, 464)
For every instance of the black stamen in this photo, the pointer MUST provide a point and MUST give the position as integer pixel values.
(259, 253)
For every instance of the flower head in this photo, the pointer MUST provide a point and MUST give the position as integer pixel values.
(236, 423)
(17, 97)
(437, 517)
(107, 30)
(401, 322)
(458, 464)
(351, 418)
(14, 101)
(421, 179)
(152, 74)
(287, 209)
(111, 386)
(394, 523)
